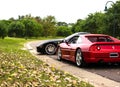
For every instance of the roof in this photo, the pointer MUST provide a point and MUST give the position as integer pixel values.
(82, 33)
(95, 35)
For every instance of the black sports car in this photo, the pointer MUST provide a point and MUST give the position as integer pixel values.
(50, 46)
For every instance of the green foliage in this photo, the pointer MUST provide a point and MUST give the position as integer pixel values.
(18, 68)
(32, 28)
(38, 30)
(63, 31)
(62, 24)
(94, 23)
(29, 27)
(113, 19)
(16, 29)
(77, 27)
(49, 26)
(3, 30)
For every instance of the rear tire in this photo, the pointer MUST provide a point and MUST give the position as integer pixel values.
(79, 58)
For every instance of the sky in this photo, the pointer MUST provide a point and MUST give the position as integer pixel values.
(68, 11)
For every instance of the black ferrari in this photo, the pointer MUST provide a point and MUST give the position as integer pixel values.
(50, 46)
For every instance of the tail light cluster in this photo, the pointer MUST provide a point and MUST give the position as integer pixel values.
(95, 48)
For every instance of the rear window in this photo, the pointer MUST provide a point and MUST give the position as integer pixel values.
(99, 39)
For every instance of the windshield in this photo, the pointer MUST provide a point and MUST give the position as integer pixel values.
(70, 36)
(76, 34)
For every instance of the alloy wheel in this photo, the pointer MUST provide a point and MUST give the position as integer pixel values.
(79, 58)
(50, 49)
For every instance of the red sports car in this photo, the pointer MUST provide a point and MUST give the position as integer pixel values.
(90, 48)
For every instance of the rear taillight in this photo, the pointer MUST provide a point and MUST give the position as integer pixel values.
(98, 47)
(92, 48)
(95, 48)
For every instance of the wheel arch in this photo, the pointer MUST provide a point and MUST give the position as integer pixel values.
(77, 49)
(81, 52)
(83, 61)
(50, 43)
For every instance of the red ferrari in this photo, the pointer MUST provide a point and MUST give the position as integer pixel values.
(90, 48)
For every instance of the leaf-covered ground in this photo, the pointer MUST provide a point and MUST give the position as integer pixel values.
(18, 68)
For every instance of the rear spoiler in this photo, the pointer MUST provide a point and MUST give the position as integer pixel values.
(106, 43)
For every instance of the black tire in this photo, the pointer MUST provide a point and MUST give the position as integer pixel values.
(79, 58)
(50, 49)
(59, 54)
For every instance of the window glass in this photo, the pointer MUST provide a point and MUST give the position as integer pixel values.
(79, 41)
(99, 39)
(73, 40)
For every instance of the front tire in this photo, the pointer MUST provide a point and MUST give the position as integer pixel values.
(79, 58)
(50, 49)
(59, 54)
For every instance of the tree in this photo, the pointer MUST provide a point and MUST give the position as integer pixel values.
(49, 26)
(16, 29)
(62, 24)
(38, 19)
(32, 28)
(113, 19)
(77, 26)
(3, 29)
(63, 31)
(94, 23)
(38, 29)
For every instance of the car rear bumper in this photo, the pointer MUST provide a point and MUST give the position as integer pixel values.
(94, 57)
(106, 60)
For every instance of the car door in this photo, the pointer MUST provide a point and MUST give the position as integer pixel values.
(69, 47)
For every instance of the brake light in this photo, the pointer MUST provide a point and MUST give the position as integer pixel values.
(95, 48)
(98, 47)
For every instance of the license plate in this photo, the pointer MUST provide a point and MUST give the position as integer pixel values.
(114, 55)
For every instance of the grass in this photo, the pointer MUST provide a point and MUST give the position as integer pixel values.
(18, 68)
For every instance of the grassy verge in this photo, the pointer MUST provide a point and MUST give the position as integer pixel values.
(18, 68)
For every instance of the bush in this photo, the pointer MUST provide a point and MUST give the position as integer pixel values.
(63, 31)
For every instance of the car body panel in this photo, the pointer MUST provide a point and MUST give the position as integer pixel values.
(93, 52)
